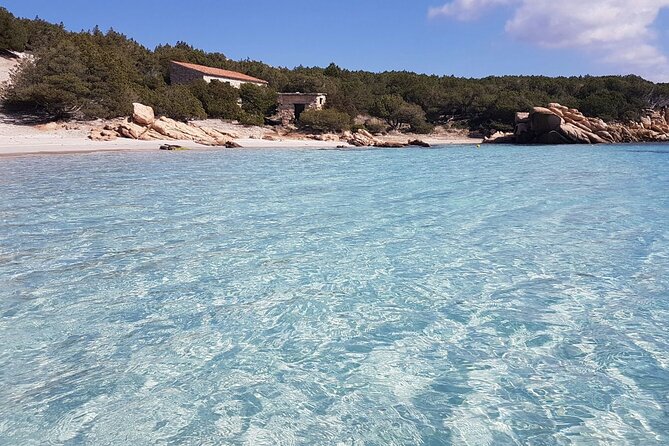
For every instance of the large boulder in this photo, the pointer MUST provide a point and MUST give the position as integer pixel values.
(571, 117)
(521, 127)
(574, 134)
(551, 138)
(165, 127)
(131, 130)
(142, 114)
(362, 138)
(522, 117)
(523, 133)
(544, 120)
(606, 136)
(143, 125)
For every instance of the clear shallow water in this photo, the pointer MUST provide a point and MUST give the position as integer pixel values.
(395, 297)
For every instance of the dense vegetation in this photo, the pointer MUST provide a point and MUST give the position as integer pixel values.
(96, 74)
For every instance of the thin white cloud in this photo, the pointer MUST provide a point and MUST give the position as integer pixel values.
(466, 9)
(617, 32)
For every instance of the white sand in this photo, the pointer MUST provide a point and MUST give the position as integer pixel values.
(73, 138)
(6, 67)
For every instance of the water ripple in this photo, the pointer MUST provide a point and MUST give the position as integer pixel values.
(426, 297)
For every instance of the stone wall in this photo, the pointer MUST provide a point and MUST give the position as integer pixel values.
(288, 101)
(182, 75)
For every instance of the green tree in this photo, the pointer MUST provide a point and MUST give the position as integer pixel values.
(97, 74)
(257, 100)
(397, 112)
(325, 120)
(177, 102)
(54, 83)
(13, 34)
(219, 99)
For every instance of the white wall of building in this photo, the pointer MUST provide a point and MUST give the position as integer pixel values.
(234, 82)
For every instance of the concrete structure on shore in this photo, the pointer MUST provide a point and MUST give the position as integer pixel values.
(291, 105)
(185, 73)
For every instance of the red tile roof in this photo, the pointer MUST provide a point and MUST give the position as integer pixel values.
(218, 72)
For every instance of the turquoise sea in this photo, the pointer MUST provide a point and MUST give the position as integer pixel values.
(448, 296)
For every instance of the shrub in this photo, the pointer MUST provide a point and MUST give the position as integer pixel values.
(177, 102)
(375, 126)
(398, 113)
(258, 100)
(54, 84)
(422, 127)
(219, 99)
(250, 119)
(325, 120)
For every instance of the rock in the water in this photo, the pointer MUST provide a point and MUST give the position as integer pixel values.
(419, 143)
(172, 147)
(543, 120)
(574, 134)
(142, 114)
(558, 124)
(232, 145)
(552, 138)
(390, 145)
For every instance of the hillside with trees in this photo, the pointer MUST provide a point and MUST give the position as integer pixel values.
(98, 74)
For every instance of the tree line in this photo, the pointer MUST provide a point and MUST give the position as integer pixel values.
(96, 74)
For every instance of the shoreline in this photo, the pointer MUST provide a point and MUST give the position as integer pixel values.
(74, 137)
(31, 141)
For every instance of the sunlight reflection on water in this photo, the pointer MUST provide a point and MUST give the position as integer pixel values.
(390, 297)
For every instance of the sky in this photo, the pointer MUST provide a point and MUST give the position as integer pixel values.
(471, 38)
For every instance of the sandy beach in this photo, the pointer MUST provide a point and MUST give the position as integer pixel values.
(18, 140)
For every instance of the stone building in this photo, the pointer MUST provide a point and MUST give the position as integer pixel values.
(185, 73)
(291, 105)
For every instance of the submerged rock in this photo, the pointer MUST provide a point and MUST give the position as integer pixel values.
(172, 147)
(419, 143)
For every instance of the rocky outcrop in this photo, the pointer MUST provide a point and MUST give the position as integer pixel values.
(557, 124)
(363, 138)
(143, 114)
(143, 125)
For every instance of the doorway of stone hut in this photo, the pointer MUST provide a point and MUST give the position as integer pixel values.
(299, 108)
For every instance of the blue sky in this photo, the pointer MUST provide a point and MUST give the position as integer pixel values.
(473, 38)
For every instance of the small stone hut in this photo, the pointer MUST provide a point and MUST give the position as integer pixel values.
(185, 73)
(291, 105)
